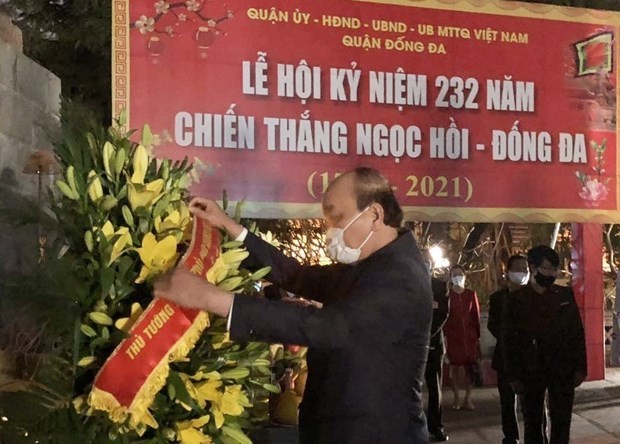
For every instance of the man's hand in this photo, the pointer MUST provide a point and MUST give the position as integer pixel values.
(211, 212)
(188, 290)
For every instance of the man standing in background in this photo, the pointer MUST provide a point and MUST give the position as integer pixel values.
(434, 365)
(517, 276)
(544, 348)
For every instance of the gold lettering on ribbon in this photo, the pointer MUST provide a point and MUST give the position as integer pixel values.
(156, 324)
(136, 346)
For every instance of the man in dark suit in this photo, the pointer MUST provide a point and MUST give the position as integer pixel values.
(436, 350)
(368, 343)
(517, 276)
(544, 348)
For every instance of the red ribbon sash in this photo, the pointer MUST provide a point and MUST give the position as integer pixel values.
(138, 367)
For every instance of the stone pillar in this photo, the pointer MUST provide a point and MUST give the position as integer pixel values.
(587, 268)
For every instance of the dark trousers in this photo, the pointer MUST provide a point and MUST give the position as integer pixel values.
(508, 401)
(561, 396)
(434, 376)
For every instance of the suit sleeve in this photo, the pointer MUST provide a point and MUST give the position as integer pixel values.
(441, 312)
(509, 337)
(309, 281)
(577, 337)
(495, 307)
(364, 314)
(258, 319)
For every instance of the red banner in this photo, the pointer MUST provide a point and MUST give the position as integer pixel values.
(138, 367)
(475, 110)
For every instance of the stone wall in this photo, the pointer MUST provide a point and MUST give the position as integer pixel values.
(29, 119)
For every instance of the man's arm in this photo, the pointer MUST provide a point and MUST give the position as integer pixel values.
(252, 318)
(509, 334)
(364, 312)
(578, 341)
(441, 306)
(257, 319)
(495, 314)
(313, 282)
(286, 272)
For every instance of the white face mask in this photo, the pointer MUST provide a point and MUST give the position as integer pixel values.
(336, 247)
(519, 277)
(458, 281)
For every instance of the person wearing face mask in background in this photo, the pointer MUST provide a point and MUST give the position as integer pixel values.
(517, 276)
(433, 374)
(368, 344)
(544, 348)
(462, 331)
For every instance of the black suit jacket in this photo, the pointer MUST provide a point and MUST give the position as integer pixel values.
(494, 324)
(368, 344)
(441, 310)
(543, 336)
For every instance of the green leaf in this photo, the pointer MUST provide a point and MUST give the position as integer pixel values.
(238, 209)
(263, 370)
(92, 142)
(88, 240)
(236, 434)
(108, 203)
(231, 283)
(141, 212)
(66, 190)
(122, 194)
(86, 361)
(122, 117)
(164, 170)
(119, 161)
(232, 244)
(105, 333)
(147, 136)
(97, 343)
(127, 216)
(161, 205)
(224, 200)
(107, 278)
(88, 330)
(100, 318)
(171, 391)
(143, 225)
(261, 362)
(235, 373)
(181, 392)
(271, 388)
(259, 274)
